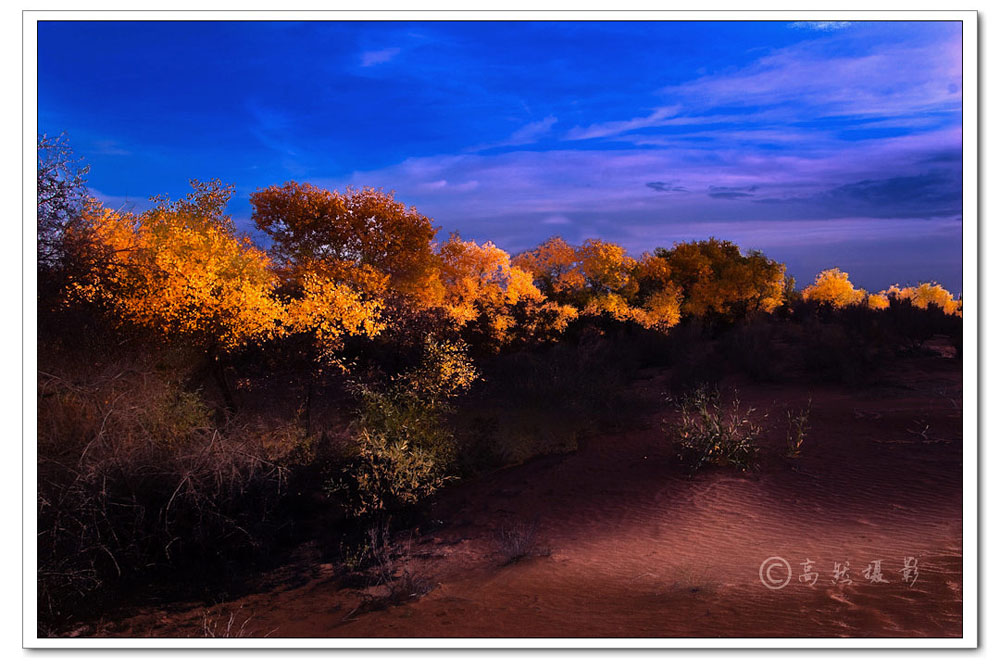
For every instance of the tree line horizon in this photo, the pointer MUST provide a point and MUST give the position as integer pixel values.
(359, 263)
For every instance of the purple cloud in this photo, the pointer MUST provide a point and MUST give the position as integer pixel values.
(379, 56)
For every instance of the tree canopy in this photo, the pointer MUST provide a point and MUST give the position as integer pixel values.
(362, 237)
(180, 271)
(834, 287)
(717, 278)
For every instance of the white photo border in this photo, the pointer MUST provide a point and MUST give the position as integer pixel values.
(970, 276)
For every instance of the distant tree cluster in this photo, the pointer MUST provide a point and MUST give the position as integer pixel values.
(834, 287)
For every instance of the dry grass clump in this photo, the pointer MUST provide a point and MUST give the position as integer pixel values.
(388, 578)
(798, 428)
(233, 626)
(135, 474)
(516, 541)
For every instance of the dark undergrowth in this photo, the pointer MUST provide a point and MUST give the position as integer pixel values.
(152, 489)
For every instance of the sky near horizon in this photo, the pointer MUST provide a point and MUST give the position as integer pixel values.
(821, 143)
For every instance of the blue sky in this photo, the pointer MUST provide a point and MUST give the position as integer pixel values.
(823, 144)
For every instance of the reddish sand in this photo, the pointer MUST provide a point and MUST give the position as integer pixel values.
(628, 547)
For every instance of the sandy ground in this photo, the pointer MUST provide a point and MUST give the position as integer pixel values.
(627, 546)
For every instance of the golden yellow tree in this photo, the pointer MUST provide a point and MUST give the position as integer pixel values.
(662, 309)
(607, 268)
(178, 270)
(578, 274)
(877, 301)
(600, 279)
(331, 311)
(481, 284)
(834, 287)
(555, 267)
(926, 294)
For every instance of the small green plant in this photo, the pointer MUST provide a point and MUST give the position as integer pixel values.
(798, 427)
(711, 432)
(404, 449)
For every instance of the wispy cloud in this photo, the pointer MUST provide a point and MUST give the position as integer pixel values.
(110, 147)
(532, 131)
(613, 128)
(824, 26)
(526, 134)
(934, 194)
(731, 192)
(804, 93)
(806, 82)
(371, 58)
(916, 177)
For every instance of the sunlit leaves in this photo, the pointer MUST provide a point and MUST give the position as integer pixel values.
(695, 278)
(663, 309)
(607, 268)
(555, 267)
(833, 287)
(877, 301)
(354, 237)
(332, 311)
(481, 284)
(716, 277)
(179, 271)
(926, 294)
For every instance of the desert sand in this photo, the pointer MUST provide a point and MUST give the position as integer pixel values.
(627, 545)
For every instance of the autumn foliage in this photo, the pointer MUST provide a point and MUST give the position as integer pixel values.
(926, 294)
(361, 237)
(349, 265)
(834, 287)
(717, 278)
(598, 278)
(180, 271)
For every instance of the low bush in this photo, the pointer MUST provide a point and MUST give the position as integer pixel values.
(403, 449)
(386, 578)
(711, 432)
(234, 626)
